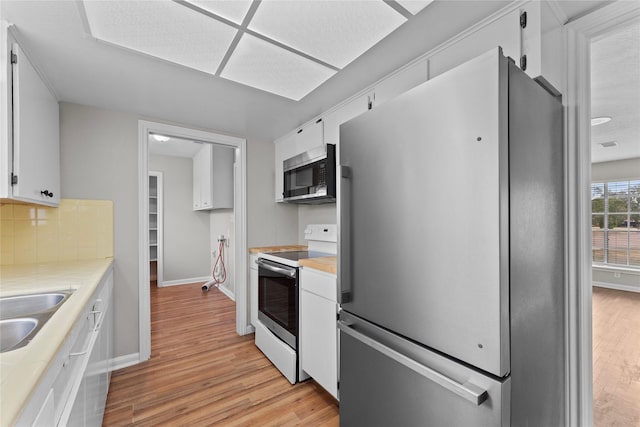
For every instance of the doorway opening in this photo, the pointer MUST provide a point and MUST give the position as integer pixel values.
(578, 35)
(615, 224)
(187, 257)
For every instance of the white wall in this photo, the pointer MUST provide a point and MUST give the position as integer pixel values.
(269, 223)
(99, 160)
(619, 169)
(186, 245)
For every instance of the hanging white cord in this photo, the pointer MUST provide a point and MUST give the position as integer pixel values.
(219, 272)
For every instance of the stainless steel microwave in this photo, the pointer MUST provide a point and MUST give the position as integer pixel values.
(310, 177)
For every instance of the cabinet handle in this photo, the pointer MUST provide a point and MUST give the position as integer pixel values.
(46, 193)
(99, 321)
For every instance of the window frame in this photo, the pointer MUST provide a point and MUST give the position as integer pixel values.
(607, 195)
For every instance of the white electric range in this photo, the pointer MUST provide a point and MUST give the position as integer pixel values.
(278, 299)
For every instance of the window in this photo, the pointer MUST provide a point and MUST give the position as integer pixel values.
(615, 222)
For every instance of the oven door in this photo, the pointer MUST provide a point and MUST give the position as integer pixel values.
(278, 299)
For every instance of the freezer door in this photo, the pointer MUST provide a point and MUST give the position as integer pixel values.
(424, 214)
(388, 381)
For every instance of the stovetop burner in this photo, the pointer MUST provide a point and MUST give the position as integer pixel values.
(298, 255)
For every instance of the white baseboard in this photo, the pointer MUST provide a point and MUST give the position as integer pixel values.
(124, 361)
(187, 281)
(617, 287)
(227, 292)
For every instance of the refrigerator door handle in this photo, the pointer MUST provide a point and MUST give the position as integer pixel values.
(468, 391)
(344, 237)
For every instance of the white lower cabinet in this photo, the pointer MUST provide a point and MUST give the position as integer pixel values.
(318, 328)
(89, 404)
(74, 388)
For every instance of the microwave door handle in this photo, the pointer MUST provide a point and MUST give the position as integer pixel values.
(289, 272)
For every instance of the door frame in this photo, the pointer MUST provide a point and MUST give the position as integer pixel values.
(240, 222)
(160, 231)
(578, 37)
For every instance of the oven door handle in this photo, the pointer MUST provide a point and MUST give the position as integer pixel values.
(276, 268)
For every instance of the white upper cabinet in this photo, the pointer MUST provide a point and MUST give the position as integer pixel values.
(528, 33)
(343, 114)
(30, 143)
(531, 35)
(310, 136)
(213, 177)
(400, 82)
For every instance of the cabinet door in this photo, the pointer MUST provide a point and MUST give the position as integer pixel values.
(319, 340)
(36, 143)
(46, 416)
(345, 113)
(318, 328)
(202, 178)
(309, 137)
(400, 82)
(504, 32)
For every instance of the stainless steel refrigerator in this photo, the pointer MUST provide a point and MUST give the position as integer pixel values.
(451, 230)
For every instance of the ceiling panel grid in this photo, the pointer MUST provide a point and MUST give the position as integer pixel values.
(284, 47)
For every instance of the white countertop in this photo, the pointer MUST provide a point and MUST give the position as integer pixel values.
(22, 369)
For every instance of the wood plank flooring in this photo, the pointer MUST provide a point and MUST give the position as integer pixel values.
(201, 373)
(616, 358)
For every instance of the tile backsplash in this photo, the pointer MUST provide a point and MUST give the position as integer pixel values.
(76, 230)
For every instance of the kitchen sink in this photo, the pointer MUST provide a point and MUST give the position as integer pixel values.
(14, 332)
(26, 304)
(22, 316)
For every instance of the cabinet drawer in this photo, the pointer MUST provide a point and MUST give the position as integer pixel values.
(319, 283)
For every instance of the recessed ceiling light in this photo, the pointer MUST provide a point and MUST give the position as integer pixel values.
(160, 138)
(268, 67)
(600, 120)
(335, 32)
(163, 29)
(608, 144)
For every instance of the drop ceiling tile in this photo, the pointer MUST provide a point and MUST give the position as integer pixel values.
(336, 32)
(262, 65)
(163, 29)
(233, 10)
(414, 6)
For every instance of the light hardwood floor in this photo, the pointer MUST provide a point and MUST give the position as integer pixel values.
(616, 358)
(202, 373)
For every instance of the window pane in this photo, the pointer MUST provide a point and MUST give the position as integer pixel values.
(619, 188)
(634, 195)
(618, 244)
(597, 197)
(634, 247)
(619, 204)
(597, 245)
(597, 221)
(617, 222)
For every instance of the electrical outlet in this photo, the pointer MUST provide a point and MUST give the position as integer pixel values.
(616, 274)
